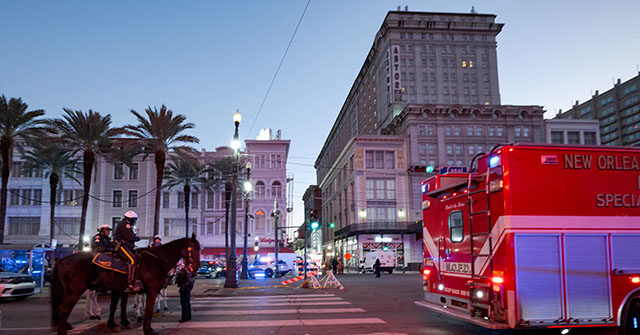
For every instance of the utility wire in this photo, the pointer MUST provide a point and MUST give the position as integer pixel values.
(279, 66)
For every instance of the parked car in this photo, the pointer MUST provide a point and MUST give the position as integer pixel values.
(15, 285)
(211, 269)
(267, 269)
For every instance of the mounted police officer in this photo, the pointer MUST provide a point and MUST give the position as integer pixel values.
(157, 241)
(126, 236)
(101, 241)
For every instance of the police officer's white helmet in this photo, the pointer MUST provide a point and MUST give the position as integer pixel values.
(131, 215)
(157, 237)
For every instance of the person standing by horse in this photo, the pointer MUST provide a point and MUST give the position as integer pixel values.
(157, 241)
(185, 281)
(127, 237)
(101, 243)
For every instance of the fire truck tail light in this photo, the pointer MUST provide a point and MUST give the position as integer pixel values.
(497, 288)
(494, 161)
(496, 185)
(635, 280)
(426, 272)
(497, 280)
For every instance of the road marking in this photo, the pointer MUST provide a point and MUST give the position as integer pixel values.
(268, 296)
(276, 311)
(262, 304)
(23, 329)
(266, 323)
(268, 299)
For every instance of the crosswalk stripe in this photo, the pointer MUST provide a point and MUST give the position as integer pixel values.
(267, 323)
(277, 311)
(268, 299)
(262, 304)
(269, 296)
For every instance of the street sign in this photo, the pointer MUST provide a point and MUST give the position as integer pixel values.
(453, 169)
(347, 256)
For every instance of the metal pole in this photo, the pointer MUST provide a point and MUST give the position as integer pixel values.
(305, 251)
(232, 268)
(275, 215)
(244, 274)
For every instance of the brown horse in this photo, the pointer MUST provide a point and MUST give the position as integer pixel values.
(73, 274)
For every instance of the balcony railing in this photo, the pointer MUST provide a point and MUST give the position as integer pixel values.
(377, 227)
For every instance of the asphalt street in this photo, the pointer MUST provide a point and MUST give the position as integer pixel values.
(368, 305)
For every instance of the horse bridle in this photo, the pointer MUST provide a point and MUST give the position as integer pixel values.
(188, 262)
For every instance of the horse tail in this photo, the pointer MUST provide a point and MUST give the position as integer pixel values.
(57, 294)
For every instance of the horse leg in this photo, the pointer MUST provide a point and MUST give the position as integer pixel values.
(64, 310)
(139, 302)
(124, 321)
(148, 311)
(115, 296)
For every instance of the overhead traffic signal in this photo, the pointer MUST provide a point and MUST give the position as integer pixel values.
(313, 220)
(332, 224)
(422, 169)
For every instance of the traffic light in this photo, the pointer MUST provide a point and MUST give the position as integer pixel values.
(256, 243)
(332, 224)
(385, 248)
(313, 220)
(423, 169)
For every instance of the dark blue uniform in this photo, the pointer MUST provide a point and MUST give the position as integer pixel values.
(124, 234)
(101, 243)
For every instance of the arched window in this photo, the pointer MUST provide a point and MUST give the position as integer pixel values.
(259, 221)
(276, 190)
(259, 189)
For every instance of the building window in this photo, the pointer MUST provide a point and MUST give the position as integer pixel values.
(478, 130)
(456, 129)
(492, 131)
(381, 214)
(607, 111)
(422, 148)
(430, 130)
(447, 130)
(557, 137)
(165, 199)
(209, 199)
(276, 162)
(456, 229)
(133, 172)
(259, 189)
(525, 131)
(116, 200)
(276, 190)
(573, 137)
(115, 220)
(458, 149)
(431, 149)
(133, 198)
(449, 149)
(470, 149)
(26, 198)
(24, 225)
(67, 225)
(518, 131)
(37, 197)
(629, 89)
(499, 131)
(469, 130)
(380, 159)
(195, 200)
(180, 199)
(118, 171)
(381, 189)
(259, 221)
(589, 138)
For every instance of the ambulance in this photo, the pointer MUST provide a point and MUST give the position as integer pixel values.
(536, 236)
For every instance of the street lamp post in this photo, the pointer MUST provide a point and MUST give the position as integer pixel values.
(232, 271)
(247, 189)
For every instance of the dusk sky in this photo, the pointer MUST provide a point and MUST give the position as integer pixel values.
(205, 59)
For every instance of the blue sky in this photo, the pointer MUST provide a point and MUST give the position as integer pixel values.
(205, 59)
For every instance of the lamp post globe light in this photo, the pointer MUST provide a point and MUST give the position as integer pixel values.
(232, 271)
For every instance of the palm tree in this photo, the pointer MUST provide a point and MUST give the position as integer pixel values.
(90, 133)
(159, 133)
(56, 162)
(188, 172)
(221, 172)
(15, 124)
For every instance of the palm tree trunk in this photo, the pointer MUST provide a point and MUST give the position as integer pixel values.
(187, 194)
(5, 148)
(88, 160)
(54, 179)
(160, 157)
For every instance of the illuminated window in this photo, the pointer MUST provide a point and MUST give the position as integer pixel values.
(464, 63)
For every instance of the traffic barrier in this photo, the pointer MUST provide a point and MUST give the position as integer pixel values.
(332, 281)
(295, 279)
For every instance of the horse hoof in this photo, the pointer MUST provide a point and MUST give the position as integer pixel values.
(166, 308)
(116, 329)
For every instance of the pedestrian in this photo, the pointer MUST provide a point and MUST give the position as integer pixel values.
(157, 241)
(185, 282)
(376, 267)
(340, 266)
(334, 265)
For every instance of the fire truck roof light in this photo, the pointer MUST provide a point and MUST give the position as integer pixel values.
(635, 280)
(424, 188)
(497, 280)
(510, 149)
(494, 161)
(426, 272)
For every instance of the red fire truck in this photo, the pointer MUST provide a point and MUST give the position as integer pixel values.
(536, 236)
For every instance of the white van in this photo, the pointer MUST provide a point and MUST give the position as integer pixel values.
(288, 259)
(387, 261)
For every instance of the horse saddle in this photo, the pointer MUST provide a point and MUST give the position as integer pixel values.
(110, 262)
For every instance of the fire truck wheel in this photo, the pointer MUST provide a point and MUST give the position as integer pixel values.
(630, 316)
(390, 271)
(268, 273)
